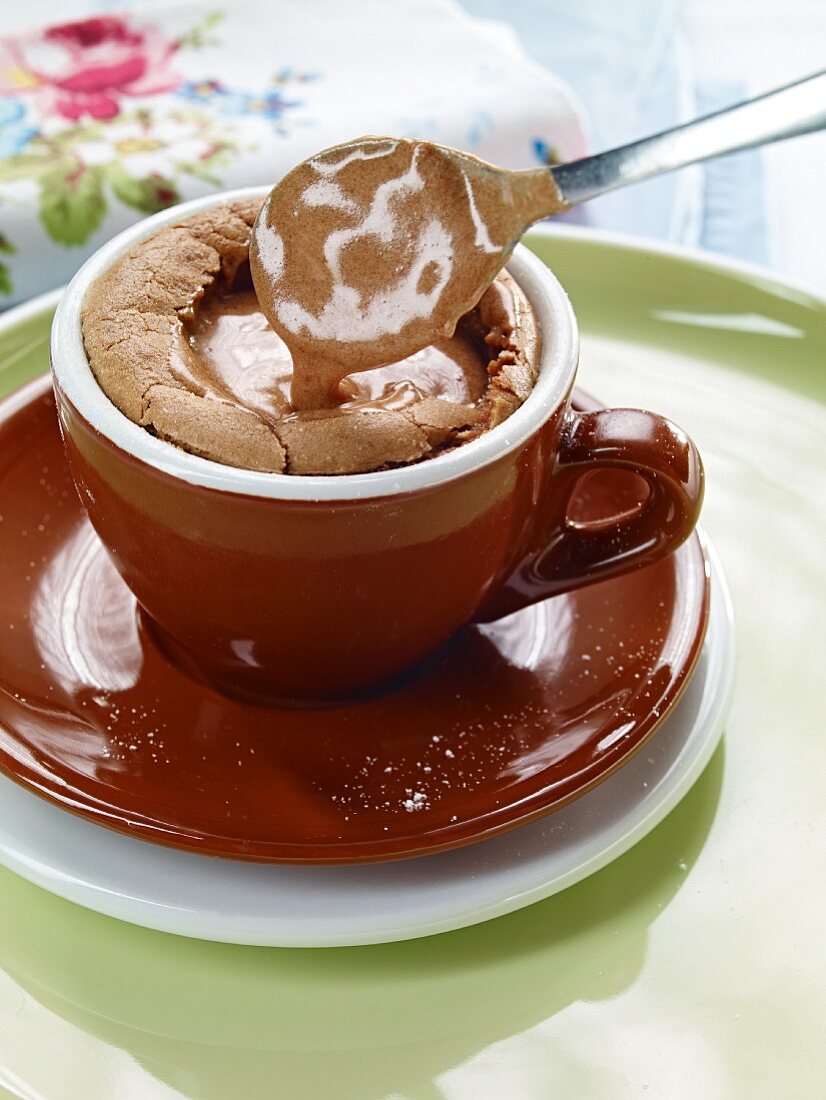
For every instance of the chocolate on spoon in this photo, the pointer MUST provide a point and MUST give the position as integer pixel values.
(371, 250)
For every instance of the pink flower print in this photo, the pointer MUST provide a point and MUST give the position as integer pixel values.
(103, 59)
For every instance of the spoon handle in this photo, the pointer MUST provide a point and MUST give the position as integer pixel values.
(795, 109)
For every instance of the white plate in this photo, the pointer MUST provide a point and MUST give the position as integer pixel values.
(236, 902)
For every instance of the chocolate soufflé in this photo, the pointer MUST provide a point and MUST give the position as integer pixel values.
(177, 340)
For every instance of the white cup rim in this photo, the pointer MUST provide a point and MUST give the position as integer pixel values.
(75, 380)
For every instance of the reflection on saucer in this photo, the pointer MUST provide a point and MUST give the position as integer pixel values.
(517, 717)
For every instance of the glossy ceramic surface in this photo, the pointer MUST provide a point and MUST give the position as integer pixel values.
(692, 966)
(235, 901)
(275, 587)
(515, 719)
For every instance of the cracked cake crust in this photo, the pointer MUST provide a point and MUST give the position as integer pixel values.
(135, 316)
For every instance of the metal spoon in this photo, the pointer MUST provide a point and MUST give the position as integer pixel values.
(786, 112)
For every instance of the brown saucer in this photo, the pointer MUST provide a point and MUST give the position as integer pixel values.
(516, 719)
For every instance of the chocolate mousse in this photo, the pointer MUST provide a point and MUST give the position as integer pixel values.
(371, 250)
(178, 341)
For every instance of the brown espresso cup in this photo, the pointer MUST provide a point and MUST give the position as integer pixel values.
(280, 587)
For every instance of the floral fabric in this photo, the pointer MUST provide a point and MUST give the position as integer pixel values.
(115, 116)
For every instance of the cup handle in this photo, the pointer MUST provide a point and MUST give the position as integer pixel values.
(562, 554)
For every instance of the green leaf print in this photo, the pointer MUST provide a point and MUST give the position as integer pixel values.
(72, 203)
(26, 166)
(149, 195)
(199, 34)
(200, 170)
